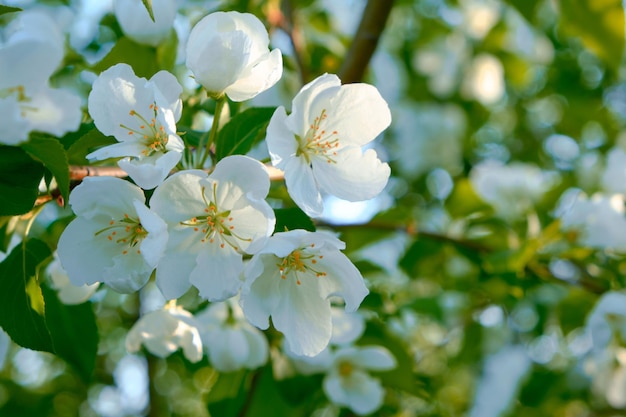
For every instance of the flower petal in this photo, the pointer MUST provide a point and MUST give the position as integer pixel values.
(259, 294)
(108, 196)
(355, 176)
(281, 141)
(376, 358)
(153, 245)
(303, 187)
(343, 279)
(178, 198)
(360, 392)
(259, 77)
(240, 176)
(217, 271)
(54, 111)
(302, 114)
(150, 171)
(177, 263)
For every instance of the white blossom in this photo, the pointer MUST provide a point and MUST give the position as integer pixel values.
(115, 238)
(227, 52)
(137, 24)
(163, 332)
(349, 384)
(614, 176)
(319, 144)
(213, 220)
(67, 292)
(292, 279)
(229, 340)
(31, 54)
(141, 114)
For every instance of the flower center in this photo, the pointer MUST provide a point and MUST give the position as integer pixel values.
(214, 225)
(345, 368)
(151, 134)
(21, 97)
(318, 142)
(300, 261)
(127, 232)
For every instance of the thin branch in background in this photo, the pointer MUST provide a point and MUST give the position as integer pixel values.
(365, 40)
(283, 18)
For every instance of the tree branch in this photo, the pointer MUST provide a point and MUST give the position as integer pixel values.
(365, 40)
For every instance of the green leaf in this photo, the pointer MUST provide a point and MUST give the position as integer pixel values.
(73, 331)
(599, 24)
(50, 152)
(148, 5)
(19, 181)
(243, 131)
(526, 7)
(8, 9)
(166, 51)
(141, 58)
(291, 219)
(84, 145)
(21, 300)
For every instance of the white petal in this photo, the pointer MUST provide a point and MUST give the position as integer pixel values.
(301, 114)
(137, 24)
(169, 90)
(355, 176)
(108, 196)
(54, 111)
(28, 62)
(360, 392)
(259, 294)
(228, 350)
(153, 245)
(281, 142)
(238, 176)
(216, 274)
(117, 150)
(177, 263)
(302, 186)
(258, 78)
(303, 316)
(376, 358)
(149, 172)
(128, 273)
(179, 197)
(14, 129)
(258, 346)
(343, 279)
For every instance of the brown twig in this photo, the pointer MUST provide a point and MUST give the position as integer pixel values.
(283, 18)
(365, 40)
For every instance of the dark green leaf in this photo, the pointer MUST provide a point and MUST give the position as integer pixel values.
(87, 143)
(599, 24)
(50, 153)
(148, 6)
(21, 301)
(166, 51)
(141, 58)
(267, 399)
(73, 331)
(19, 181)
(291, 219)
(526, 7)
(243, 131)
(8, 9)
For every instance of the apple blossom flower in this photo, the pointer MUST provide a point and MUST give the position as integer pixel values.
(32, 52)
(67, 292)
(212, 220)
(228, 53)
(230, 341)
(607, 321)
(141, 114)
(115, 238)
(349, 384)
(163, 332)
(292, 279)
(614, 175)
(136, 23)
(319, 144)
(599, 221)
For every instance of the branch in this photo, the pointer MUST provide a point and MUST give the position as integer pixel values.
(283, 18)
(365, 40)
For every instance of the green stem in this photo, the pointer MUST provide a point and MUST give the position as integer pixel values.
(219, 106)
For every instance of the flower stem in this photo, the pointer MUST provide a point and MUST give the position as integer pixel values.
(219, 106)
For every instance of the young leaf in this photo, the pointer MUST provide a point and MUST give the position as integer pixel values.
(243, 131)
(88, 142)
(51, 154)
(21, 301)
(73, 331)
(8, 9)
(19, 181)
(291, 219)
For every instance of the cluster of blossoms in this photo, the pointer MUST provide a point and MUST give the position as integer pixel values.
(210, 226)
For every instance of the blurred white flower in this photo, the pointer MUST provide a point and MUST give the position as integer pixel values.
(115, 238)
(599, 221)
(614, 176)
(228, 53)
(5, 341)
(68, 293)
(484, 80)
(511, 189)
(163, 332)
(32, 52)
(607, 321)
(141, 114)
(229, 340)
(213, 220)
(349, 384)
(319, 145)
(502, 375)
(292, 279)
(137, 24)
